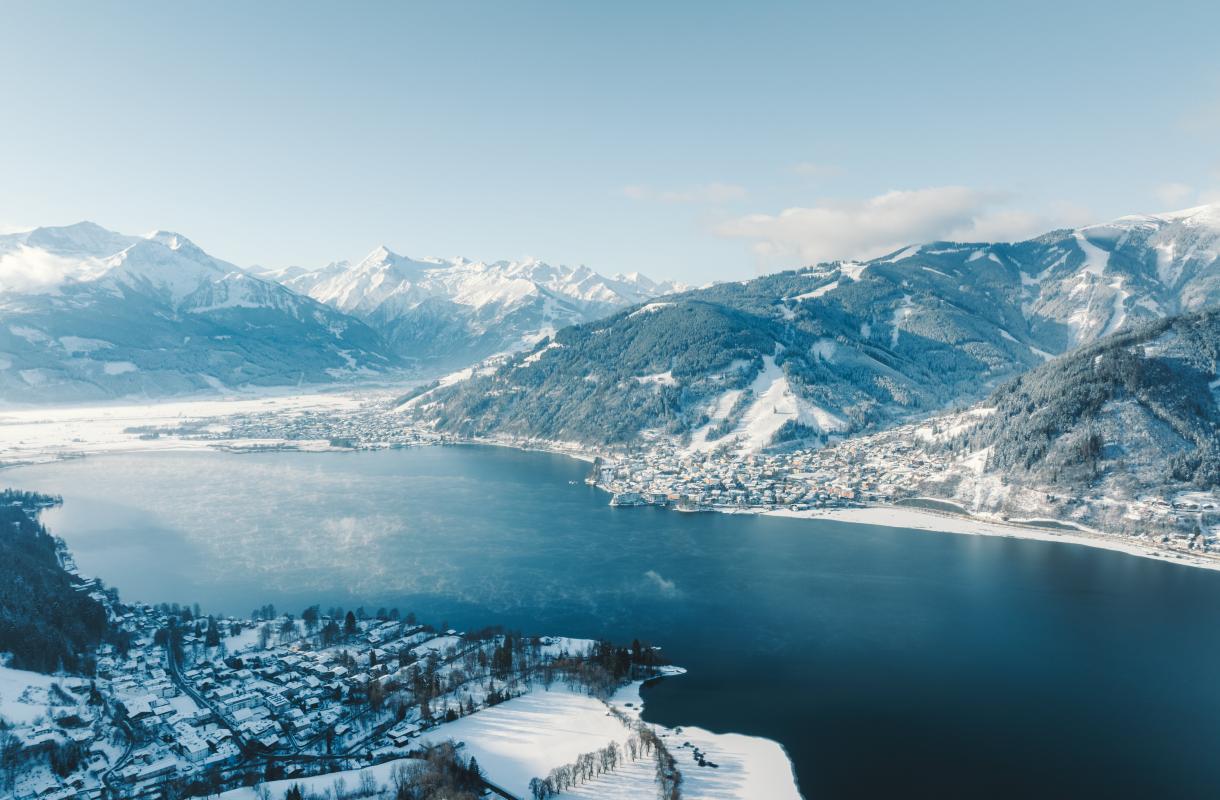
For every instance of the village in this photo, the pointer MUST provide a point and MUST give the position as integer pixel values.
(726, 479)
(891, 467)
(191, 705)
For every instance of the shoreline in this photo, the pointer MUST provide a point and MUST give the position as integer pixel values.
(101, 431)
(920, 519)
(930, 520)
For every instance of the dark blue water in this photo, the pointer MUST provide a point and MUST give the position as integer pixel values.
(885, 661)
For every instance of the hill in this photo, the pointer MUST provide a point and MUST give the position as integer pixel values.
(48, 620)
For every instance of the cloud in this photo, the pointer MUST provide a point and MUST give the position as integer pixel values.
(708, 193)
(664, 586)
(865, 229)
(810, 169)
(30, 270)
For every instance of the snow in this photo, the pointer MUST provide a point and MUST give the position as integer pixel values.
(899, 256)
(651, 308)
(31, 335)
(1095, 259)
(528, 736)
(118, 367)
(818, 292)
(825, 349)
(900, 315)
(1118, 315)
(852, 269)
(79, 344)
(933, 522)
(318, 784)
(775, 403)
(533, 358)
(23, 695)
(938, 272)
(42, 433)
(660, 379)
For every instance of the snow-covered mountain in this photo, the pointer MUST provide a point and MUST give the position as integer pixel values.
(841, 347)
(89, 313)
(450, 313)
(1082, 284)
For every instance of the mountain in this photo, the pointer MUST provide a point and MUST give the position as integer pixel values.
(449, 314)
(839, 348)
(1103, 435)
(87, 313)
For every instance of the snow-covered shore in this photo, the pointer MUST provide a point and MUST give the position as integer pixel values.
(925, 520)
(528, 736)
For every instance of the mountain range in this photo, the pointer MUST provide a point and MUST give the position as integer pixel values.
(447, 314)
(88, 314)
(839, 348)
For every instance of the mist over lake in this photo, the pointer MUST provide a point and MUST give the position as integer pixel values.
(883, 660)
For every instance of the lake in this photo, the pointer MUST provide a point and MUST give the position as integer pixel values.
(885, 661)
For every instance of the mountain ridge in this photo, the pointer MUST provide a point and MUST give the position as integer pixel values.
(449, 313)
(923, 328)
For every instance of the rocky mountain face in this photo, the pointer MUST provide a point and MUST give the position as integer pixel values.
(87, 313)
(838, 348)
(449, 314)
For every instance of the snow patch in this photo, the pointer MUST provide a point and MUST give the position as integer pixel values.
(119, 367)
(660, 379)
(818, 292)
(651, 308)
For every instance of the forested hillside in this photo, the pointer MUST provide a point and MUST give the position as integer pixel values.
(1137, 407)
(798, 355)
(46, 620)
(804, 355)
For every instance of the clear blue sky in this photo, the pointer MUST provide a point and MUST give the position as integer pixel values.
(668, 138)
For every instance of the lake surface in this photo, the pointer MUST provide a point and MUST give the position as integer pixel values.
(885, 661)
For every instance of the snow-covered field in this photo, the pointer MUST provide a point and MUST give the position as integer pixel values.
(918, 519)
(24, 695)
(529, 736)
(39, 434)
(318, 784)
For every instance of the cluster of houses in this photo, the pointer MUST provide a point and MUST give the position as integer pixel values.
(286, 697)
(144, 722)
(802, 479)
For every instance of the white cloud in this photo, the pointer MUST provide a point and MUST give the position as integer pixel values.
(865, 229)
(29, 270)
(710, 193)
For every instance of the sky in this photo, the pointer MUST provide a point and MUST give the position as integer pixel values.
(696, 141)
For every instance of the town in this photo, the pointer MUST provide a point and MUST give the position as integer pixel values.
(186, 704)
(904, 465)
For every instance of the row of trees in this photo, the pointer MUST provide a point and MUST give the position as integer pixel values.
(585, 768)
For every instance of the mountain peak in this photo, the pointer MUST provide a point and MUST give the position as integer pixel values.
(81, 239)
(172, 240)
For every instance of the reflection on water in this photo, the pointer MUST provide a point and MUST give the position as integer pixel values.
(885, 661)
